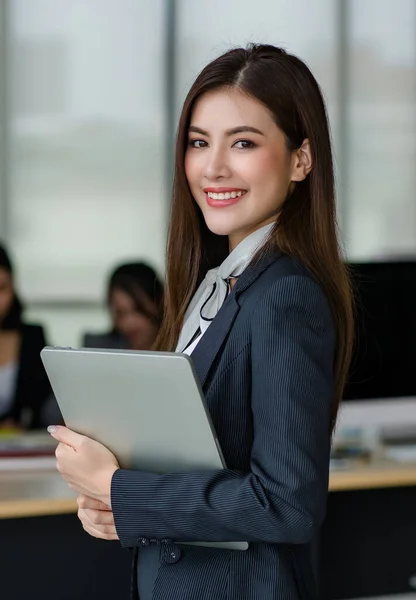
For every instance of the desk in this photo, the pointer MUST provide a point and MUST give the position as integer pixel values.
(373, 505)
(39, 493)
(45, 553)
(373, 476)
(368, 539)
(34, 494)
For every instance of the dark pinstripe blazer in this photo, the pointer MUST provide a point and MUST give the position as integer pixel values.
(266, 367)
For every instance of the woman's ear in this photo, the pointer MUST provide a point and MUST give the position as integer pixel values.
(302, 161)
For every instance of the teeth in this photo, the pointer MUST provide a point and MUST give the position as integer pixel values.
(225, 196)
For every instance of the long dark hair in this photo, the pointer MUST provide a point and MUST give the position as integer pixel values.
(139, 281)
(306, 227)
(13, 319)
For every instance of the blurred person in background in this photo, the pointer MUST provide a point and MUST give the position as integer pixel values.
(135, 302)
(24, 386)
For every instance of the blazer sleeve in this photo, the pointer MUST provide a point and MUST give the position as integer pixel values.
(282, 499)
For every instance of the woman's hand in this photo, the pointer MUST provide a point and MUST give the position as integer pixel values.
(85, 464)
(96, 518)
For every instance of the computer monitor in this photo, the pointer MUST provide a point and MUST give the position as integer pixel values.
(384, 358)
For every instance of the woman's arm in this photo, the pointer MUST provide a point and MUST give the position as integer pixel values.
(282, 499)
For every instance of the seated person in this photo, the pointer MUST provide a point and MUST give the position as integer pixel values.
(24, 386)
(135, 302)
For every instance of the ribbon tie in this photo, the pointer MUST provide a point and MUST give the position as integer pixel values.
(214, 288)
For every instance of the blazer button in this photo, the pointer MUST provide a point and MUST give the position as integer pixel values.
(171, 553)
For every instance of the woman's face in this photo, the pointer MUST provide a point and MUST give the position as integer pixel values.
(6, 293)
(237, 163)
(138, 329)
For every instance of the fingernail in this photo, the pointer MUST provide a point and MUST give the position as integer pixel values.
(51, 429)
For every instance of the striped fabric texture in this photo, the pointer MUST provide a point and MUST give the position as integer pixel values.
(266, 367)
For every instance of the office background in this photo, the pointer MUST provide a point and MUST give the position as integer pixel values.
(91, 92)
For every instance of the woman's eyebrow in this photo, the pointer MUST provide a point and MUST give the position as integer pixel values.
(229, 132)
(244, 129)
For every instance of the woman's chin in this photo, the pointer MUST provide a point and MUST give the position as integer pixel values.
(221, 227)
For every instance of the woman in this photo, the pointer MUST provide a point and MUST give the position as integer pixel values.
(135, 302)
(270, 335)
(24, 386)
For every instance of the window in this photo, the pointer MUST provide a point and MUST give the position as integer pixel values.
(381, 131)
(87, 142)
(306, 29)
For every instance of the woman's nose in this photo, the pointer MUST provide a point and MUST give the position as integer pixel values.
(216, 165)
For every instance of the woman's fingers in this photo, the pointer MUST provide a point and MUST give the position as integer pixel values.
(87, 502)
(97, 533)
(98, 523)
(97, 517)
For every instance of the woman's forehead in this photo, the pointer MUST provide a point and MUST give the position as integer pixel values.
(229, 108)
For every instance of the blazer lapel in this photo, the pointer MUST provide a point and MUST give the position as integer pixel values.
(254, 270)
(207, 349)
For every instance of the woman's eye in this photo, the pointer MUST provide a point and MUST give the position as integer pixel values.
(197, 143)
(244, 144)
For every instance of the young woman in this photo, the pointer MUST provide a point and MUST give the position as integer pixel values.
(24, 386)
(135, 303)
(258, 294)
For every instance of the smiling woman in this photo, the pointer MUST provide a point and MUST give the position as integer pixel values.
(258, 295)
(252, 174)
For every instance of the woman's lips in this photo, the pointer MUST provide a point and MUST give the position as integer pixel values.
(222, 197)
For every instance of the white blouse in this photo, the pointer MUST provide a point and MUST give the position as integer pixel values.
(215, 287)
(8, 377)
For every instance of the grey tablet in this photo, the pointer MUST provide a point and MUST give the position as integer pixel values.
(146, 407)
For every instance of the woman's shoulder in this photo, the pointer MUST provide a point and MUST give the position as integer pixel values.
(274, 272)
(287, 266)
(286, 282)
(33, 334)
(32, 340)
